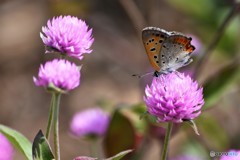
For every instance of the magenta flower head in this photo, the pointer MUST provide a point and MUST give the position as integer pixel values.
(67, 35)
(230, 155)
(174, 97)
(91, 122)
(6, 149)
(61, 74)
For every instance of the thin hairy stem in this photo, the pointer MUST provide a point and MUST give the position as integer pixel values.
(56, 125)
(198, 68)
(134, 14)
(50, 119)
(166, 141)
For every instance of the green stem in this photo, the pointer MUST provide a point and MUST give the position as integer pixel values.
(93, 148)
(56, 103)
(166, 141)
(50, 118)
(219, 33)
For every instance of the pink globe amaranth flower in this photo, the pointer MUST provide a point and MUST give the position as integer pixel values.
(174, 97)
(68, 35)
(6, 149)
(92, 121)
(60, 73)
(231, 155)
(187, 71)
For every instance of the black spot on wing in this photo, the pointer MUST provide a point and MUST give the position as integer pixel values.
(152, 49)
(150, 40)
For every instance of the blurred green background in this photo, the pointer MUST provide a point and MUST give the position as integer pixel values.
(117, 54)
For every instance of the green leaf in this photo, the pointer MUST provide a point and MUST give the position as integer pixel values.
(116, 157)
(18, 140)
(216, 85)
(137, 115)
(41, 149)
(120, 135)
(120, 155)
(139, 108)
(144, 115)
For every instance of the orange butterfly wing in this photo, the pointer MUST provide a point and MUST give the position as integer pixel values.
(185, 41)
(152, 40)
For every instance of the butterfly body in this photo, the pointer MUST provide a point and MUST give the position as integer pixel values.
(167, 51)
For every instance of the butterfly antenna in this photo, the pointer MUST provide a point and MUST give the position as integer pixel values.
(142, 75)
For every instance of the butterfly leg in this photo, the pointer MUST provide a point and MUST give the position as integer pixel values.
(156, 74)
(188, 62)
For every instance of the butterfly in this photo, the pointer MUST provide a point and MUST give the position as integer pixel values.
(166, 51)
